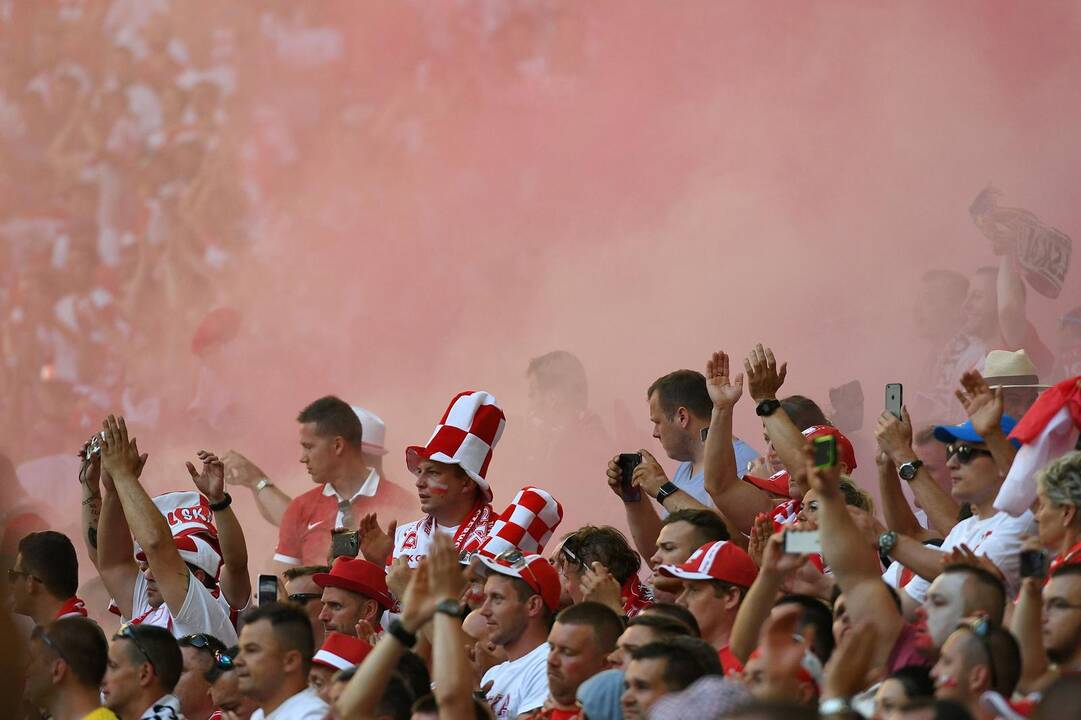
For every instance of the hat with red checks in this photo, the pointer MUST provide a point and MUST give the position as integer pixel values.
(535, 570)
(359, 576)
(465, 436)
(719, 560)
(526, 524)
(341, 652)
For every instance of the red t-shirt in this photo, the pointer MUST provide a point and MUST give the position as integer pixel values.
(304, 535)
(729, 662)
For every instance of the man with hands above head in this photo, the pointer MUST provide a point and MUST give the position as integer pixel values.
(175, 586)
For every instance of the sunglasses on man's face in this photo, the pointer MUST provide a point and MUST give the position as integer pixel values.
(302, 599)
(965, 453)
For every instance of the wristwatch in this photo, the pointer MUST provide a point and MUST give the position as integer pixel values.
(402, 635)
(262, 485)
(449, 606)
(907, 471)
(887, 541)
(667, 489)
(767, 407)
(834, 706)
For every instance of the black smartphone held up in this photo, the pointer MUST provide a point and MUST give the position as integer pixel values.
(627, 463)
(825, 451)
(268, 589)
(1033, 563)
(894, 399)
(344, 543)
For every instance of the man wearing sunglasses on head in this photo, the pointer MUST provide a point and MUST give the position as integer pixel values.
(143, 668)
(978, 456)
(225, 688)
(193, 688)
(300, 589)
(66, 663)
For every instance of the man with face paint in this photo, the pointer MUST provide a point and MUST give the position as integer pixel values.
(977, 657)
(960, 591)
(451, 481)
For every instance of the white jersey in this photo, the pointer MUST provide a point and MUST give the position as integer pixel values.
(518, 686)
(204, 611)
(419, 542)
(305, 705)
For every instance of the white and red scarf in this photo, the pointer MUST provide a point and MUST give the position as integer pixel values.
(72, 607)
(467, 538)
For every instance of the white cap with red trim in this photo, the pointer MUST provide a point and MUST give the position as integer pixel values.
(341, 652)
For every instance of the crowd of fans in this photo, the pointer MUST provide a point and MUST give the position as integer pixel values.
(928, 569)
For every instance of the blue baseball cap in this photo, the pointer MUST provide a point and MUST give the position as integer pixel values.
(966, 433)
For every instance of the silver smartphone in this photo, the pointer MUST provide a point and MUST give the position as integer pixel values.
(802, 542)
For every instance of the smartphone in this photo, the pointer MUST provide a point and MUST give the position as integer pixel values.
(802, 542)
(344, 543)
(268, 589)
(894, 399)
(704, 433)
(825, 451)
(627, 463)
(1033, 563)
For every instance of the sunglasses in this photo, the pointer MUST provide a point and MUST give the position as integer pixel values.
(127, 633)
(199, 641)
(223, 660)
(964, 453)
(40, 634)
(14, 575)
(981, 628)
(302, 599)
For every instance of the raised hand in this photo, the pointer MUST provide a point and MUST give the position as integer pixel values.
(598, 585)
(894, 436)
(366, 632)
(782, 653)
(649, 475)
(399, 575)
(764, 377)
(375, 544)
(418, 603)
(761, 531)
(776, 560)
(120, 456)
(982, 404)
(446, 579)
(963, 555)
(211, 481)
(239, 470)
(724, 390)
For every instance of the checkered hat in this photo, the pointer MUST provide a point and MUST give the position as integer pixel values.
(526, 525)
(720, 560)
(465, 436)
(341, 652)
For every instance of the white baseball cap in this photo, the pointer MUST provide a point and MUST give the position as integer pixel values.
(375, 431)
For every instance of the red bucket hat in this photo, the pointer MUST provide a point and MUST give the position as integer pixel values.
(358, 576)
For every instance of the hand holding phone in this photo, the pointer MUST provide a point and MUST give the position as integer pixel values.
(1033, 564)
(802, 542)
(825, 451)
(627, 463)
(344, 543)
(895, 399)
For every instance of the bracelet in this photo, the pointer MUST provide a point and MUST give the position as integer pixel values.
(834, 706)
(399, 633)
(262, 485)
(219, 506)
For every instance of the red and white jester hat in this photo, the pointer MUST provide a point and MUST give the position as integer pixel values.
(465, 436)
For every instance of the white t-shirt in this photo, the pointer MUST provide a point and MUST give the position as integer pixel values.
(520, 685)
(998, 537)
(202, 612)
(420, 549)
(305, 705)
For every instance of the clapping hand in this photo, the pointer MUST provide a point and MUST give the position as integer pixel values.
(120, 457)
(375, 544)
(764, 377)
(983, 405)
(724, 390)
(211, 481)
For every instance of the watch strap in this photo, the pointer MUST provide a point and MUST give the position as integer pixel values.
(908, 471)
(669, 488)
(225, 502)
(449, 606)
(402, 635)
(767, 407)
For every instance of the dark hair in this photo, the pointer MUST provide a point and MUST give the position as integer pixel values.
(606, 625)
(291, 627)
(396, 702)
(428, 706)
(803, 412)
(707, 524)
(772, 710)
(1067, 569)
(303, 571)
(837, 592)
(50, 557)
(415, 674)
(606, 545)
(561, 372)
(1003, 655)
(686, 660)
(83, 647)
(943, 709)
(679, 614)
(816, 613)
(334, 418)
(916, 680)
(990, 586)
(160, 648)
(206, 645)
(682, 388)
(662, 625)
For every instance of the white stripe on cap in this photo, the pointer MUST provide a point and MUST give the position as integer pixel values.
(335, 661)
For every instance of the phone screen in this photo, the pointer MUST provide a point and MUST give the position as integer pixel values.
(268, 589)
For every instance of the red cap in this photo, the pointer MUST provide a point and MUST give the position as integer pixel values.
(359, 576)
(341, 652)
(719, 560)
(845, 454)
(535, 570)
(775, 484)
